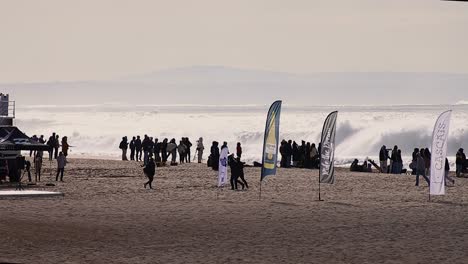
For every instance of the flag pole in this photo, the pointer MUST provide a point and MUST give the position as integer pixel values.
(260, 195)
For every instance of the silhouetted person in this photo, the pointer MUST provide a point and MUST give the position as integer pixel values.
(123, 146)
(164, 150)
(289, 153)
(383, 158)
(214, 157)
(314, 156)
(460, 162)
(200, 148)
(421, 169)
(188, 144)
(51, 144)
(138, 148)
(182, 149)
(295, 154)
(56, 146)
(132, 148)
(35, 139)
(157, 151)
(38, 165)
(65, 146)
(282, 151)
(150, 171)
(146, 148)
(172, 150)
(61, 163)
(239, 150)
(235, 172)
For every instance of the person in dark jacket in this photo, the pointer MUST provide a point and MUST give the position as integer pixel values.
(383, 158)
(239, 150)
(214, 156)
(138, 149)
(150, 171)
(460, 162)
(393, 160)
(157, 151)
(295, 154)
(164, 150)
(124, 146)
(237, 171)
(282, 151)
(188, 153)
(288, 152)
(132, 149)
(51, 144)
(421, 169)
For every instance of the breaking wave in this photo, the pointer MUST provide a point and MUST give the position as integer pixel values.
(95, 130)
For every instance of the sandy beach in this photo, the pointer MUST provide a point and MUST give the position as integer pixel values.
(107, 217)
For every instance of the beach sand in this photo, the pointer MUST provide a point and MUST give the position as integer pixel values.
(107, 217)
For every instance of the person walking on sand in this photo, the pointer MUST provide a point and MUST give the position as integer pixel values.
(421, 169)
(61, 163)
(150, 171)
(132, 148)
(164, 150)
(123, 146)
(65, 146)
(200, 149)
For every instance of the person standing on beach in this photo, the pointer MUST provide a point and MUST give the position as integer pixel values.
(383, 157)
(124, 146)
(138, 148)
(164, 150)
(459, 162)
(200, 149)
(239, 150)
(157, 151)
(182, 148)
(188, 144)
(56, 146)
(38, 165)
(65, 146)
(172, 150)
(35, 139)
(150, 171)
(61, 163)
(214, 157)
(427, 160)
(132, 149)
(51, 145)
(289, 153)
(145, 145)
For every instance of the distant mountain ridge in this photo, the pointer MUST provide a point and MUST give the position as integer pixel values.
(224, 85)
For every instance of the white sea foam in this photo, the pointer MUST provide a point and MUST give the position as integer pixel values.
(96, 130)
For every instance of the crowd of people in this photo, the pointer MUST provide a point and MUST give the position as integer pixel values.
(161, 151)
(305, 155)
(420, 163)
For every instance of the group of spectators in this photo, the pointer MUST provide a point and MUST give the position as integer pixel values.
(306, 155)
(420, 163)
(160, 151)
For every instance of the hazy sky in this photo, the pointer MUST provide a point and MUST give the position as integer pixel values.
(51, 40)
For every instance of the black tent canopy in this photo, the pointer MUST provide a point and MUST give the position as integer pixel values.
(11, 138)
